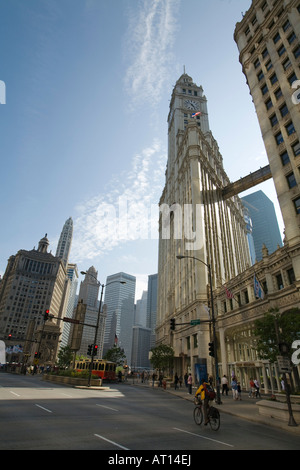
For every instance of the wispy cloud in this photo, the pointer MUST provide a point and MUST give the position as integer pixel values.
(125, 211)
(148, 45)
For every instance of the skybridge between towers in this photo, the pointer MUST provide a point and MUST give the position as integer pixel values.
(259, 176)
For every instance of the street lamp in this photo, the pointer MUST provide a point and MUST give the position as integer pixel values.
(98, 318)
(213, 320)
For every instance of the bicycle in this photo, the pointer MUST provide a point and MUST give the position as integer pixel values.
(212, 413)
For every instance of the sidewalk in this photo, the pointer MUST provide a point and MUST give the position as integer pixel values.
(245, 408)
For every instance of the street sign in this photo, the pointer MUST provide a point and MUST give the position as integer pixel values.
(284, 364)
(71, 320)
(195, 322)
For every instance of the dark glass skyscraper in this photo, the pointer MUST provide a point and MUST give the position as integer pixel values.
(265, 225)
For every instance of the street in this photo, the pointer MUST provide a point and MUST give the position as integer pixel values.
(38, 415)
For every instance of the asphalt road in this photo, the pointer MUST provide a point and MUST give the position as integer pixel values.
(38, 415)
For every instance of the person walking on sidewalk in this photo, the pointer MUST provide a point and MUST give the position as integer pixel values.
(224, 382)
(176, 381)
(190, 383)
(234, 388)
(256, 385)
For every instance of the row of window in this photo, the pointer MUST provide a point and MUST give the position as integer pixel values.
(243, 297)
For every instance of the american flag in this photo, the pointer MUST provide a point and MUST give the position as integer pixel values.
(229, 294)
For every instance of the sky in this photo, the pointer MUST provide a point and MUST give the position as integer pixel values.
(83, 131)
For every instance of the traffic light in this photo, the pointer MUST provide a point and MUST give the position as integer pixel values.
(95, 349)
(89, 351)
(46, 315)
(9, 337)
(172, 324)
(211, 349)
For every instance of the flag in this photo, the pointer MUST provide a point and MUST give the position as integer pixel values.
(196, 114)
(258, 290)
(229, 294)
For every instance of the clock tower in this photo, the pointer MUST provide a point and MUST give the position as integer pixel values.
(187, 102)
(196, 225)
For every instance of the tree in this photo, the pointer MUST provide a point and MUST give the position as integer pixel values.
(288, 325)
(162, 356)
(65, 356)
(116, 355)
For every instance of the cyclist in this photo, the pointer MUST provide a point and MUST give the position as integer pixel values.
(202, 391)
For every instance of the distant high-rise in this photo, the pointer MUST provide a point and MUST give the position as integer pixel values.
(72, 275)
(88, 294)
(119, 301)
(265, 229)
(65, 241)
(152, 306)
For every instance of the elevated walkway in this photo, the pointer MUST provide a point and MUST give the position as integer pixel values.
(259, 176)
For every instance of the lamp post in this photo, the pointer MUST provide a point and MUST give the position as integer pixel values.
(98, 319)
(213, 321)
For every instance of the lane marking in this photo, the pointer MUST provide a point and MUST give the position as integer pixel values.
(15, 394)
(111, 442)
(66, 395)
(43, 408)
(203, 437)
(107, 407)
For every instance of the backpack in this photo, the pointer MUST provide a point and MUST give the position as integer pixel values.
(209, 392)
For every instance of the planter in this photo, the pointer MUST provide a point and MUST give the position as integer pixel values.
(278, 410)
(281, 397)
(73, 381)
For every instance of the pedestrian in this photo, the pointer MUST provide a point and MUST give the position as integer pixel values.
(239, 391)
(176, 381)
(160, 379)
(256, 385)
(186, 379)
(180, 381)
(190, 383)
(234, 388)
(224, 382)
(153, 378)
(252, 389)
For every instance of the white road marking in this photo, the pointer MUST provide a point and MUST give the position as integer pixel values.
(43, 408)
(15, 394)
(107, 407)
(111, 442)
(203, 437)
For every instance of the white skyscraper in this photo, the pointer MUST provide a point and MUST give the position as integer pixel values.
(65, 241)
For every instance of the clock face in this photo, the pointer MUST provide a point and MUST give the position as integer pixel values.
(193, 105)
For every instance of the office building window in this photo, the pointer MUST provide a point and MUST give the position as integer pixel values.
(260, 75)
(265, 53)
(269, 104)
(291, 275)
(297, 205)
(291, 180)
(281, 51)
(296, 52)
(292, 37)
(269, 65)
(284, 110)
(285, 158)
(296, 149)
(290, 129)
(279, 281)
(278, 93)
(273, 120)
(279, 138)
(264, 89)
(276, 38)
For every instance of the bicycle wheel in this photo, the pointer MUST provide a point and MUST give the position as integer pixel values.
(198, 415)
(214, 418)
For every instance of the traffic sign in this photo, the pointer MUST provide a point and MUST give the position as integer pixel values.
(284, 364)
(195, 322)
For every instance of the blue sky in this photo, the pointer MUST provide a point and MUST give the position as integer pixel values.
(84, 127)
